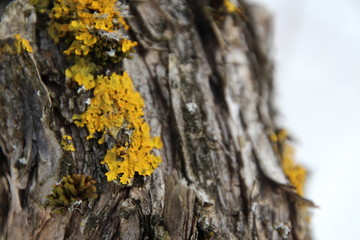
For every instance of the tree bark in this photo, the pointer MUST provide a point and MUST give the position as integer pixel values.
(207, 79)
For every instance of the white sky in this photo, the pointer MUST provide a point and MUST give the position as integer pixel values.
(317, 53)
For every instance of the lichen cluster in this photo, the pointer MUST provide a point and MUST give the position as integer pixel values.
(71, 191)
(295, 172)
(22, 44)
(117, 106)
(16, 46)
(67, 144)
(230, 6)
(82, 73)
(92, 32)
(91, 27)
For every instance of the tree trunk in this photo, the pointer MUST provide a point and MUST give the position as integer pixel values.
(206, 77)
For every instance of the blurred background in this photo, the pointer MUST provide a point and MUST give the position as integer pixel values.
(317, 57)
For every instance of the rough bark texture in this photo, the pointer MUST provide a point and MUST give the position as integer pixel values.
(207, 83)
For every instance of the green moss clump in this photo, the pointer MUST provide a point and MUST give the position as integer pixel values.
(71, 191)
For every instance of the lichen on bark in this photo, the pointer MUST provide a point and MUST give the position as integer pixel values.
(205, 75)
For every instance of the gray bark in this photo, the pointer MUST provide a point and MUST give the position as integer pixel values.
(208, 88)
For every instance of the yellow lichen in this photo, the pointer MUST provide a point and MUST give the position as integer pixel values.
(295, 172)
(127, 44)
(22, 43)
(15, 45)
(280, 136)
(81, 72)
(86, 22)
(67, 144)
(114, 101)
(115, 106)
(230, 7)
(125, 161)
(93, 33)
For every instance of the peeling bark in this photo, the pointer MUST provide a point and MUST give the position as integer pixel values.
(208, 88)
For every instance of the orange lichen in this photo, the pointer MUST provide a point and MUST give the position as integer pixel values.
(9, 46)
(127, 45)
(86, 22)
(115, 106)
(230, 7)
(93, 33)
(67, 144)
(280, 136)
(22, 43)
(294, 172)
(125, 161)
(114, 101)
(81, 72)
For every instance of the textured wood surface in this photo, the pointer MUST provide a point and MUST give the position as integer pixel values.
(208, 87)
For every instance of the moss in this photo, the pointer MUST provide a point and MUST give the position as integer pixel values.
(40, 5)
(161, 234)
(67, 165)
(71, 191)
